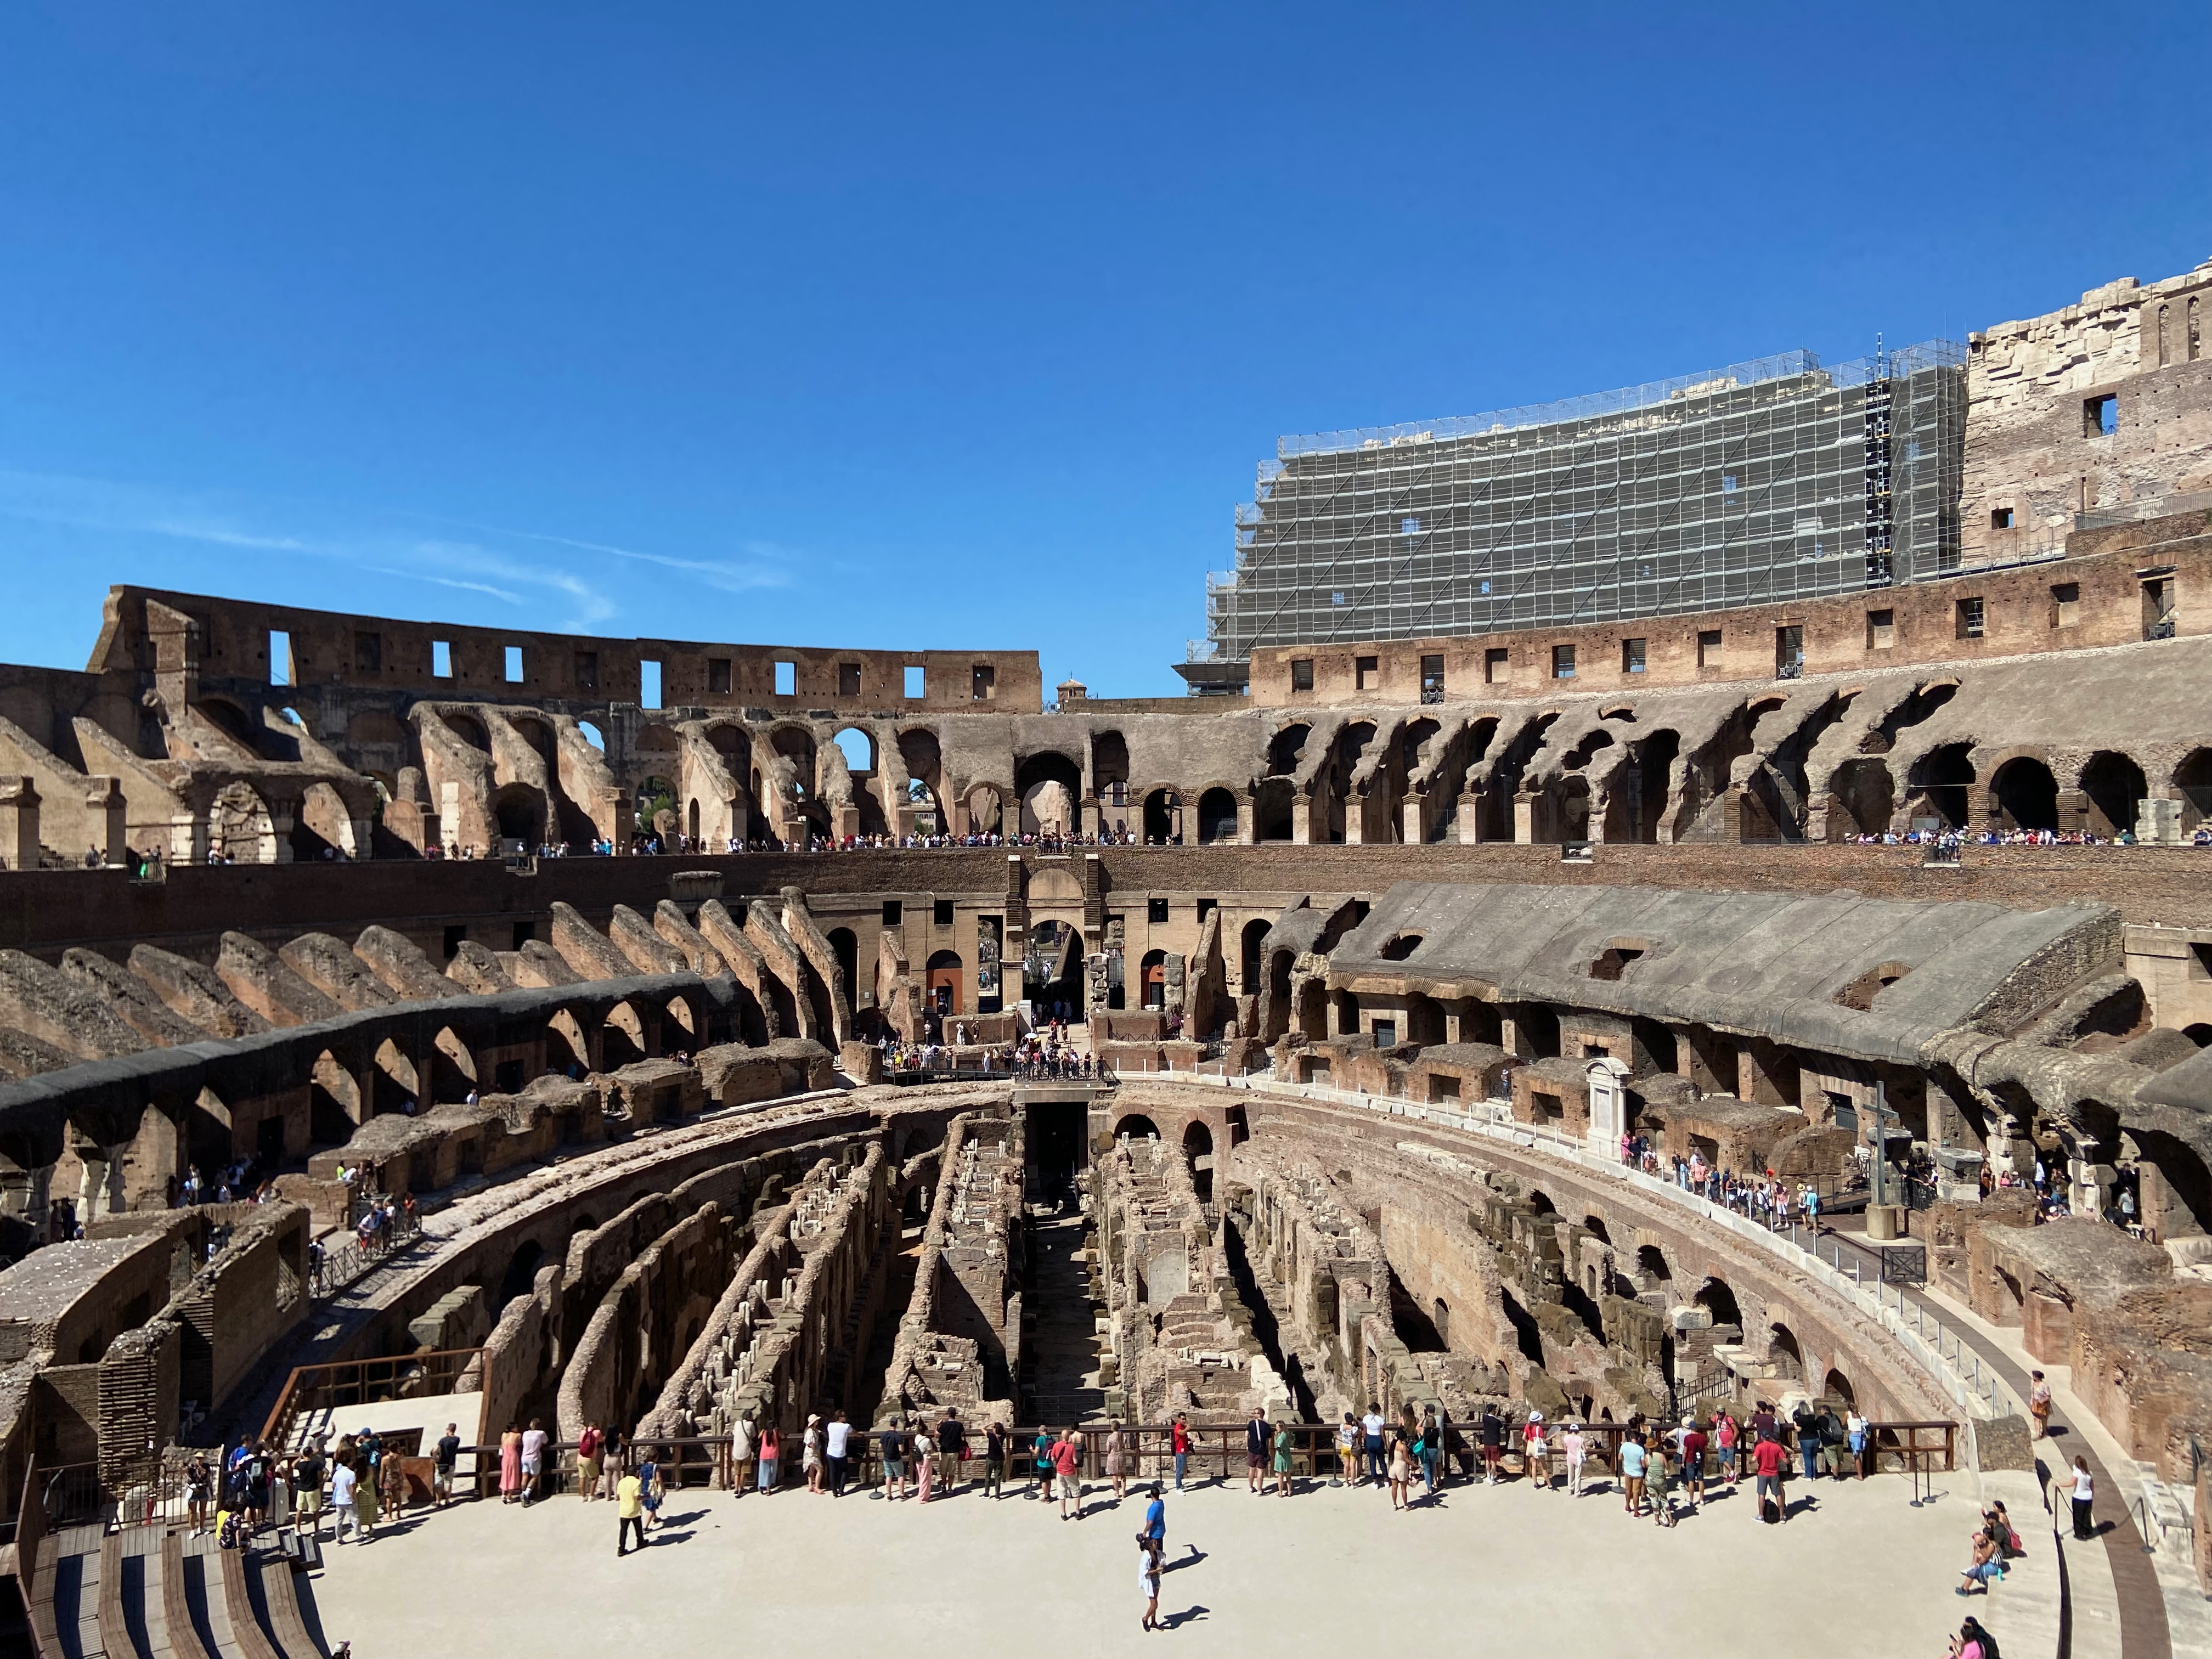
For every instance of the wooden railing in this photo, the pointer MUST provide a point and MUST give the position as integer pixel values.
(352, 1382)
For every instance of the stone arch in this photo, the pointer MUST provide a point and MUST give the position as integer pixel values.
(520, 812)
(239, 825)
(563, 1029)
(1217, 815)
(333, 1101)
(1164, 818)
(1651, 1263)
(324, 822)
(230, 719)
(1198, 1154)
(986, 810)
(2192, 786)
(452, 1068)
(469, 729)
(2025, 793)
(1783, 1352)
(2115, 786)
(1838, 1387)
(943, 982)
(1941, 777)
(857, 744)
(1867, 794)
(1284, 748)
(1136, 1126)
(1717, 1298)
(622, 1037)
(1151, 980)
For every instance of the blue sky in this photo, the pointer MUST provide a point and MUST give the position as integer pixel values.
(955, 325)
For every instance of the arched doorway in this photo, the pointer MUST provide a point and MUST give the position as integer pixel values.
(1216, 815)
(1053, 971)
(1163, 818)
(2027, 794)
(985, 811)
(2192, 782)
(1249, 959)
(1942, 776)
(1136, 1126)
(1152, 978)
(1198, 1152)
(2114, 785)
(942, 983)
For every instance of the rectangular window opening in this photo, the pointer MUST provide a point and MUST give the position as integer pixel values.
(1207, 908)
(2065, 604)
(2000, 518)
(280, 658)
(786, 679)
(1495, 665)
(1301, 673)
(894, 913)
(1562, 662)
(441, 660)
(2100, 416)
(514, 665)
(917, 683)
(1432, 679)
(718, 677)
(1881, 629)
(1367, 672)
(1789, 652)
(648, 684)
(1631, 656)
(587, 671)
(849, 679)
(368, 652)
(1709, 647)
(1156, 910)
(1970, 619)
(942, 913)
(983, 683)
(456, 934)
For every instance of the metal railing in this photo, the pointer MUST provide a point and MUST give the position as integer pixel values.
(341, 1268)
(1955, 1364)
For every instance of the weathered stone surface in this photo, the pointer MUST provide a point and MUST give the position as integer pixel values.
(538, 964)
(270, 986)
(131, 999)
(646, 950)
(195, 993)
(50, 1008)
(476, 970)
(585, 949)
(327, 964)
(404, 970)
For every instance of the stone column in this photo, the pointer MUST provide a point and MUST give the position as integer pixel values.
(1524, 818)
(1302, 807)
(1248, 818)
(105, 806)
(1470, 820)
(19, 823)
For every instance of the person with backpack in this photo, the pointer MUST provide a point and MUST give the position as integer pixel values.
(1972, 1642)
(588, 1461)
(308, 1472)
(1768, 1461)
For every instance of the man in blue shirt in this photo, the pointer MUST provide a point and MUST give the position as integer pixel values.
(1155, 1519)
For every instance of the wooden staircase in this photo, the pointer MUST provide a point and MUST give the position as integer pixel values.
(160, 1593)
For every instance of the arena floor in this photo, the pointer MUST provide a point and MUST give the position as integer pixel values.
(1503, 1571)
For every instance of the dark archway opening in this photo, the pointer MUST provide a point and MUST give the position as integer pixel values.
(2027, 795)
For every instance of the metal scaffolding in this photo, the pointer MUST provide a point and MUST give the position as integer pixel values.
(1768, 481)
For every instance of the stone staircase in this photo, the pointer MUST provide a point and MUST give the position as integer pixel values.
(160, 1593)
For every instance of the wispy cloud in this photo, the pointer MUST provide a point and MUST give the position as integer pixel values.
(108, 506)
(768, 568)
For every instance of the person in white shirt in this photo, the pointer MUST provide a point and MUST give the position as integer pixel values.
(840, 1437)
(2083, 1490)
(342, 1489)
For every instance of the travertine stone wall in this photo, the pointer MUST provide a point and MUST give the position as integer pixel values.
(2034, 448)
